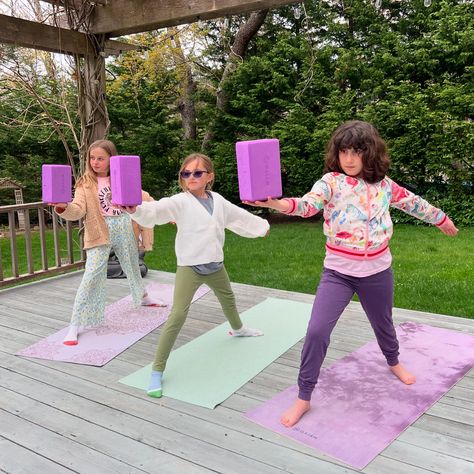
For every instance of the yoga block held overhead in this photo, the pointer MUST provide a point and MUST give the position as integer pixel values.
(56, 183)
(258, 166)
(126, 180)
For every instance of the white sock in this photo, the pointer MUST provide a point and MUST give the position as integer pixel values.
(154, 387)
(245, 332)
(149, 301)
(71, 336)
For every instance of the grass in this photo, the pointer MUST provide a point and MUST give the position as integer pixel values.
(433, 272)
(36, 251)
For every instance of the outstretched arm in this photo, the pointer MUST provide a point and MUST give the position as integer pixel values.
(74, 210)
(151, 213)
(128, 209)
(447, 227)
(281, 205)
(244, 223)
(308, 205)
(418, 207)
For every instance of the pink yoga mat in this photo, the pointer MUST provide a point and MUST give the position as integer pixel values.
(124, 325)
(359, 407)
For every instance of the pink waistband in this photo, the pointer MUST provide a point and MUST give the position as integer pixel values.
(356, 254)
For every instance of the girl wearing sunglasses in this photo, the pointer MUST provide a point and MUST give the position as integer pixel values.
(201, 217)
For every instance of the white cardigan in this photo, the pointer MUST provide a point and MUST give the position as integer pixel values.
(200, 237)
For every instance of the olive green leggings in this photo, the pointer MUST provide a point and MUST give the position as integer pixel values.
(186, 284)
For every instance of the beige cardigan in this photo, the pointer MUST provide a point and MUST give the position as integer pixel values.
(86, 204)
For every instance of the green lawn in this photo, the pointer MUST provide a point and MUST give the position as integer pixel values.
(433, 272)
(36, 250)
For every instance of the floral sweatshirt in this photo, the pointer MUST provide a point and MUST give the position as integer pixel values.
(357, 221)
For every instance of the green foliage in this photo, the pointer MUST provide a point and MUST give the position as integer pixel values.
(291, 258)
(140, 102)
(407, 68)
(32, 101)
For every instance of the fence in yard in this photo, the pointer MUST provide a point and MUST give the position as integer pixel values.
(63, 258)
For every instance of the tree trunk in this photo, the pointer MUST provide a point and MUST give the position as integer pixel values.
(92, 105)
(186, 106)
(187, 109)
(237, 53)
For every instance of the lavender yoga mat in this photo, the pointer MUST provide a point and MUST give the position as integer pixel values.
(359, 407)
(124, 325)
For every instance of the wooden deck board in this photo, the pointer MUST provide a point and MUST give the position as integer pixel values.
(18, 459)
(58, 417)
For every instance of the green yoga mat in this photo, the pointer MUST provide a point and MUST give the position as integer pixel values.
(213, 366)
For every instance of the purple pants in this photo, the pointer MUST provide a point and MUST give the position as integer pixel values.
(334, 293)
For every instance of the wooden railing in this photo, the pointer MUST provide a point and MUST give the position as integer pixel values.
(61, 264)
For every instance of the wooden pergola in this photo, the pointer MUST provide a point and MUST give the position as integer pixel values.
(90, 27)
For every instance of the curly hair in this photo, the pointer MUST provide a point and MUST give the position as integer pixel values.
(363, 137)
(206, 163)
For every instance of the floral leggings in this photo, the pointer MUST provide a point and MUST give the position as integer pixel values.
(89, 305)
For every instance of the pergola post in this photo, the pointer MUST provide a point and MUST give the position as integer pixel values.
(91, 96)
(92, 24)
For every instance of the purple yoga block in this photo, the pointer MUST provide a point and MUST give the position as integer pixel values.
(258, 166)
(126, 180)
(56, 183)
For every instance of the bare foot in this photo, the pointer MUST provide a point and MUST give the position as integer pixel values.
(295, 412)
(403, 374)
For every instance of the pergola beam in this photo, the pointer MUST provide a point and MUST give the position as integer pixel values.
(31, 34)
(76, 4)
(123, 17)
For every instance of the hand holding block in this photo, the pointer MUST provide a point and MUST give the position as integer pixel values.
(126, 180)
(56, 183)
(258, 166)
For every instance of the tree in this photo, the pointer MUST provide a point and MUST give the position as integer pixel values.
(245, 33)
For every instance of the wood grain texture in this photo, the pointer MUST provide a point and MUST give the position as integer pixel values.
(59, 417)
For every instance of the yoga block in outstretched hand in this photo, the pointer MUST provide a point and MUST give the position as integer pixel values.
(56, 183)
(126, 180)
(258, 166)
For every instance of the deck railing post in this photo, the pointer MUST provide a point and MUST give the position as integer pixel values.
(1, 265)
(57, 242)
(13, 249)
(70, 249)
(5, 277)
(81, 240)
(29, 251)
(42, 233)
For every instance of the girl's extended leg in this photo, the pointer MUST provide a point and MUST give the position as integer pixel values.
(125, 246)
(220, 284)
(186, 283)
(333, 295)
(89, 304)
(376, 297)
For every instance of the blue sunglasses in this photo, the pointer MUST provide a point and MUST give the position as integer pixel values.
(196, 174)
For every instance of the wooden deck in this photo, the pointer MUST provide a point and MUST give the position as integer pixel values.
(57, 417)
